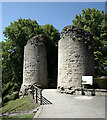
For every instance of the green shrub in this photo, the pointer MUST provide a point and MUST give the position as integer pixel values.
(10, 92)
(6, 88)
(100, 83)
(6, 98)
(16, 87)
(14, 96)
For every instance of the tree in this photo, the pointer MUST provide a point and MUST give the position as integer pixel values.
(94, 21)
(17, 34)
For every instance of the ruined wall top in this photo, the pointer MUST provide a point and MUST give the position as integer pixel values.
(75, 30)
(37, 40)
(77, 34)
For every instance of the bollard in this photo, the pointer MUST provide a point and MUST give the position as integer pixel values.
(82, 92)
(92, 92)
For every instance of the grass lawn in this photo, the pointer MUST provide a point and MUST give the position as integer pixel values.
(27, 116)
(22, 105)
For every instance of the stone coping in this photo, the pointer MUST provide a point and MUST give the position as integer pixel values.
(96, 90)
(74, 30)
(37, 40)
(89, 92)
(78, 34)
(77, 91)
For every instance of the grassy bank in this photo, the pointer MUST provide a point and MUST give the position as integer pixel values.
(27, 116)
(22, 105)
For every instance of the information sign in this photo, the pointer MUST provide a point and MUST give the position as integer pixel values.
(87, 80)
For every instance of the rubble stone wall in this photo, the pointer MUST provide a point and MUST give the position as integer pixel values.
(75, 57)
(35, 63)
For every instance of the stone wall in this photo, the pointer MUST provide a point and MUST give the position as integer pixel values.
(88, 92)
(35, 63)
(75, 58)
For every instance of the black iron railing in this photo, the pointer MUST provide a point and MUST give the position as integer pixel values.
(39, 98)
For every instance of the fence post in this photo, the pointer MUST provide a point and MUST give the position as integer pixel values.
(33, 92)
(36, 96)
(41, 96)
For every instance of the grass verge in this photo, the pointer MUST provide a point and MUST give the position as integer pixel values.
(26, 116)
(23, 105)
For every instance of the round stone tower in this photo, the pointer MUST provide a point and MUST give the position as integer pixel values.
(35, 63)
(75, 57)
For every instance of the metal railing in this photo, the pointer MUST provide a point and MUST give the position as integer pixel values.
(37, 95)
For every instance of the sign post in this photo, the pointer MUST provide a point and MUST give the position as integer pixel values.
(87, 80)
(82, 92)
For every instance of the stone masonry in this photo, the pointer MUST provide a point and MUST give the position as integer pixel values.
(75, 58)
(35, 64)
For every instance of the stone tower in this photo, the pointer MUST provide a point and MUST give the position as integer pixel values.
(35, 63)
(75, 57)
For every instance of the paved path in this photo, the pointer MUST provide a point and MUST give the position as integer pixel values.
(71, 106)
